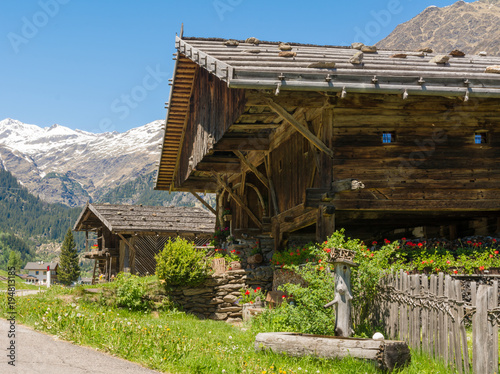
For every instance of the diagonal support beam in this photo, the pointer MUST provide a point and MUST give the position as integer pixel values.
(259, 175)
(237, 199)
(207, 205)
(299, 127)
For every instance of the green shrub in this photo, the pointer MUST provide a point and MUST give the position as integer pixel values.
(302, 309)
(131, 292)
(181, 264)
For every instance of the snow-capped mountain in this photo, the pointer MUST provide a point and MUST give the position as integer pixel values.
(72, 166)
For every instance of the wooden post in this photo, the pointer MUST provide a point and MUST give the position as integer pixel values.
(343, 297)
(442, 330)
(480, 338)
(433, 336)
(425, 315)
(325, 224)
(463, 333)
(404, 311)
(416, 314)
(493, 330)
(448, 328)
(473, 299)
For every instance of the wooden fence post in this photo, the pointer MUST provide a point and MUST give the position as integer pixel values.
(480, 338)
(463, 333)
(493, 330)
(425, 314)
(442, 322)
(416, 314)
(473, 298)
(433, 336)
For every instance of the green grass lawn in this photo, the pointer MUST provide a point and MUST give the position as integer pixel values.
(20, 284)
(173, 341)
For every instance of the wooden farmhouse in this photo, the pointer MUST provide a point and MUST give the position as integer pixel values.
(304, 139)
(127, 237)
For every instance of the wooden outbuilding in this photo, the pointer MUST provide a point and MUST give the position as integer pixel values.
(127, 237)
(304, 139)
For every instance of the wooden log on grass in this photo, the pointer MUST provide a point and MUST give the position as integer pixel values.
(389, 354)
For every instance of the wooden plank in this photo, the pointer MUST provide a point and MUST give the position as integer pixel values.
(480, 338)
(462, 340)
(455, 350)
(416, 315)
(425, 314)
(493, 330)
(404, 310)
(272, 190)
(433, 336)
(473, 297)
(300, 128)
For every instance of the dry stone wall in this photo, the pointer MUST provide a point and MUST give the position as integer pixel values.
(217, 298)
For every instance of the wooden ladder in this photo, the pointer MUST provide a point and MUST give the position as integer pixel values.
(97, 264)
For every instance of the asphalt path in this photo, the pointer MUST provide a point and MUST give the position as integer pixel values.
(40, 353)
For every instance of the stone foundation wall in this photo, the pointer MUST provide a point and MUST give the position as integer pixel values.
(217, 297)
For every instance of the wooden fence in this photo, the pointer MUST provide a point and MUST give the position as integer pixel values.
(428, 312)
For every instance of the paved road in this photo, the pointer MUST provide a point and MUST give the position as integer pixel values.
(39, 353)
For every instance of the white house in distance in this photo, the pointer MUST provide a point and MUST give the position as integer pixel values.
(39, 270)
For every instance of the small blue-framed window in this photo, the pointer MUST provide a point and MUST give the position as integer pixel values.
(388, 137)
(481, 137)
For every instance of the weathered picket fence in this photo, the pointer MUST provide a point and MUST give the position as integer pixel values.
(428, 312)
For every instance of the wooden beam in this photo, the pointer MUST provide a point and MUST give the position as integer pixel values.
(267, 163)
(198, 197)
(259, 175)
(299, 127)
(249, 143)
(237, 199)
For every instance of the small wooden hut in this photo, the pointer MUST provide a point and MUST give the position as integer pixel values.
(127, 237)
(303, 139)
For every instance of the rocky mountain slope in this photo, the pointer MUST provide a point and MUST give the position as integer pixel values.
(469, 27)
(72, 166)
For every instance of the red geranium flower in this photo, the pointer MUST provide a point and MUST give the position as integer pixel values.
(420, 245)
(319, 261)
(328, 250)
(321, 268)
(247, 293)
(481, 268)
(491, 256)
(374, 242)
(496, 252)
(283, 297)
(386, 241)
(258, 288)
(455, 271)
(403, 239)
(291, 253)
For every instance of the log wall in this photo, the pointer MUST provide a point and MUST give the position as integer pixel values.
(213, 108)
(433, 164)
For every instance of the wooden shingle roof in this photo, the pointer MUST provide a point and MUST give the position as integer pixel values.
(151, 219)
(329, 69)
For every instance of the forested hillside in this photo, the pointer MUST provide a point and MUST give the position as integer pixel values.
(141, 191)
(26, 221)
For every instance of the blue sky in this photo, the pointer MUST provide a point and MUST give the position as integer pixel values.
(103, 65)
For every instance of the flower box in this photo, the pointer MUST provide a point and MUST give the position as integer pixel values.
(219, 265)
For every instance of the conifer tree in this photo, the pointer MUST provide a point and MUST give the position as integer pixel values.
(14, 261)
(69, 269)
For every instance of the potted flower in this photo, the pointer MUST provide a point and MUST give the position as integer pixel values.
(252, 301)
(255, 256)
(233, 260)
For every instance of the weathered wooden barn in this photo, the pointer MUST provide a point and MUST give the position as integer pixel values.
(126, 237)
(303, 139)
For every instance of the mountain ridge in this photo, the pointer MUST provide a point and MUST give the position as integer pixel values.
(68, 166)
(469, 27)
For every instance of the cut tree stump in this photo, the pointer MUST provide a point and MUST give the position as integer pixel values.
(389, 354)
